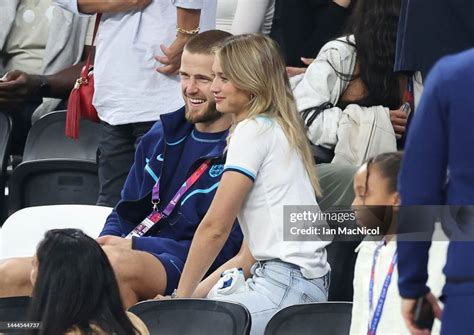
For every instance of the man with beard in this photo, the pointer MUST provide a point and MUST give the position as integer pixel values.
(167, 161)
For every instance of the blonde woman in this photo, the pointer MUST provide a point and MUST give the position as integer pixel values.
(268, 166)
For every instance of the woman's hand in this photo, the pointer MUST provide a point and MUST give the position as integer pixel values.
(293, 71)
(399, 119)
(213, 230)
(162, 297)
(243, 259)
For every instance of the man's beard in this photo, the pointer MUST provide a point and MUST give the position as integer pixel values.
(209, 115)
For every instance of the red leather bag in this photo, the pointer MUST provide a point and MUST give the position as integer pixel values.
(80, 100)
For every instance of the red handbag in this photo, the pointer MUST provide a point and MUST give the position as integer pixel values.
(80, 100)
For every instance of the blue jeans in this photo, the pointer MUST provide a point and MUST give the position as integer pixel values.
(275, 285)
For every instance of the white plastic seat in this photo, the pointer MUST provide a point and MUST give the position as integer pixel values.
(22, 231)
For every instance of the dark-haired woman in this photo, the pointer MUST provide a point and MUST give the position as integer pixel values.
(75, 290)
(353, 75)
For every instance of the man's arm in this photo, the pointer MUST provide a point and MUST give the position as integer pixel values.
(21, 86)
(110, 6)
(421, 182)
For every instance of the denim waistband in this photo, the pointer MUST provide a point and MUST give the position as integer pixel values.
(278, 263)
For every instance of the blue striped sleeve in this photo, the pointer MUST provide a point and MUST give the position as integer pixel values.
(245, 172)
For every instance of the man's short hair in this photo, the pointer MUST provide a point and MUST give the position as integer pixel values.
(206, 42)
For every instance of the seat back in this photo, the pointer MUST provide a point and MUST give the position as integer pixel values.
(53, 182)
(56, 169)
(193, 316)
(46, 139)
(13, 309)
(5, 134)
(24, 229)
(328, 318)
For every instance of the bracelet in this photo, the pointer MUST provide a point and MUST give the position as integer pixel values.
(180, 30)
(174, 295)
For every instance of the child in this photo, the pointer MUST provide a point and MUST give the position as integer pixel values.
(375, 204)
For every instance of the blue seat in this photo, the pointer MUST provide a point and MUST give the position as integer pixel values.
(5, 136)
(193, 316)
(14, 309)
(327, 318)
(55, 169)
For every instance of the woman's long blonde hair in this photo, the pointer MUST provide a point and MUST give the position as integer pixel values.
(253, 63)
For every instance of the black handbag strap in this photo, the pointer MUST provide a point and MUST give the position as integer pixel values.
(310, 114)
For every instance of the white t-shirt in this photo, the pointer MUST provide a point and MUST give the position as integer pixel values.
(259, 149)
(127, 87)
(245, 16)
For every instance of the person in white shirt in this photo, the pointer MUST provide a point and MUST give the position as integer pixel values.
(133, 38)
(376, 205)
(268, 166)
(245, 16)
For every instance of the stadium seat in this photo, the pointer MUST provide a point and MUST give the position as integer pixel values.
(5, 134)
(329, 318)
(23, 230)
(46, 139)
(13, 309)
(56, 169)
(193, 316)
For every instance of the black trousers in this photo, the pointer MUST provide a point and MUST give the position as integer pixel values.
(115, 157)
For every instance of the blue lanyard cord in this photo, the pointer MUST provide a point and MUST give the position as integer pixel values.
(377, 314)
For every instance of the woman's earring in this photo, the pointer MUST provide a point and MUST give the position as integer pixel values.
(252, 96)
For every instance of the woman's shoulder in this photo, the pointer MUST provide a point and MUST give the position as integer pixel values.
(344, 45)
(260, 122)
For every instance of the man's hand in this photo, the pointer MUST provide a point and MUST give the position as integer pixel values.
(172, 56)
(115, 241)
(398, 118)
(17, 86)
(408, 309)
(293, 71)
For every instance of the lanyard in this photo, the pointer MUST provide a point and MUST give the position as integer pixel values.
(156, 215)
(409, 95)
(377, 314)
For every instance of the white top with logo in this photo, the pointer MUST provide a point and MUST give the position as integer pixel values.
(259, 149)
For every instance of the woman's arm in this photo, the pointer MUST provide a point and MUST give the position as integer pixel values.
(213, 230)
(243, 259)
